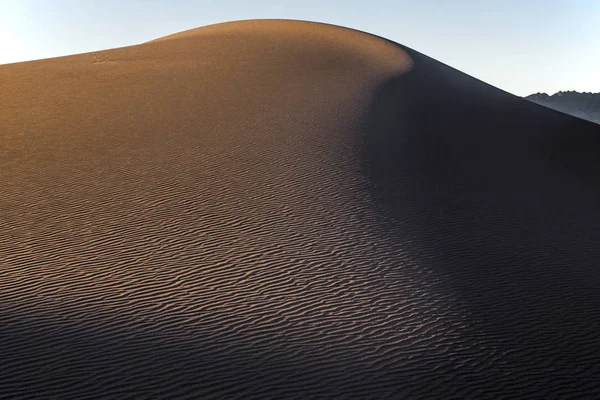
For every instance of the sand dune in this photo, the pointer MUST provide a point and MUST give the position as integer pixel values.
(289, 209)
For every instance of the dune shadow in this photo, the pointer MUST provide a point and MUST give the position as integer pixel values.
(501, 195)
(50, 360)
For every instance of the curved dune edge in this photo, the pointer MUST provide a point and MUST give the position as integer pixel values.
(291, 209)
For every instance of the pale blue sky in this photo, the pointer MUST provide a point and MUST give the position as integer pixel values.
(522, 46)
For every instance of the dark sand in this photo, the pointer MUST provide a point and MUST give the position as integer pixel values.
(280, 209)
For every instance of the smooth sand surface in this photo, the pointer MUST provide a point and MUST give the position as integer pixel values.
(289, 209)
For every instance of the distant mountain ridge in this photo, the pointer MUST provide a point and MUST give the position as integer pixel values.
(584, 105)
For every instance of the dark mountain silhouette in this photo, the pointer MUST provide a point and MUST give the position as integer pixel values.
(584, 105)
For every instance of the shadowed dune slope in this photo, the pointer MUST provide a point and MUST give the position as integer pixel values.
(279, 208)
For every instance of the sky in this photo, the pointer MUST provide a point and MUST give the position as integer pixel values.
(521, 46)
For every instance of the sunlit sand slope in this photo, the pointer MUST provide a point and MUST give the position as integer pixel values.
(281, 208)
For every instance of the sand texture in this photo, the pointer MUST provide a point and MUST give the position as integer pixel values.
(276, 209)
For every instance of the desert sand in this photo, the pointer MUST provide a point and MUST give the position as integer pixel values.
(276, 209)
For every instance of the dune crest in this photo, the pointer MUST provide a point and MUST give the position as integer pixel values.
(279, 208)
